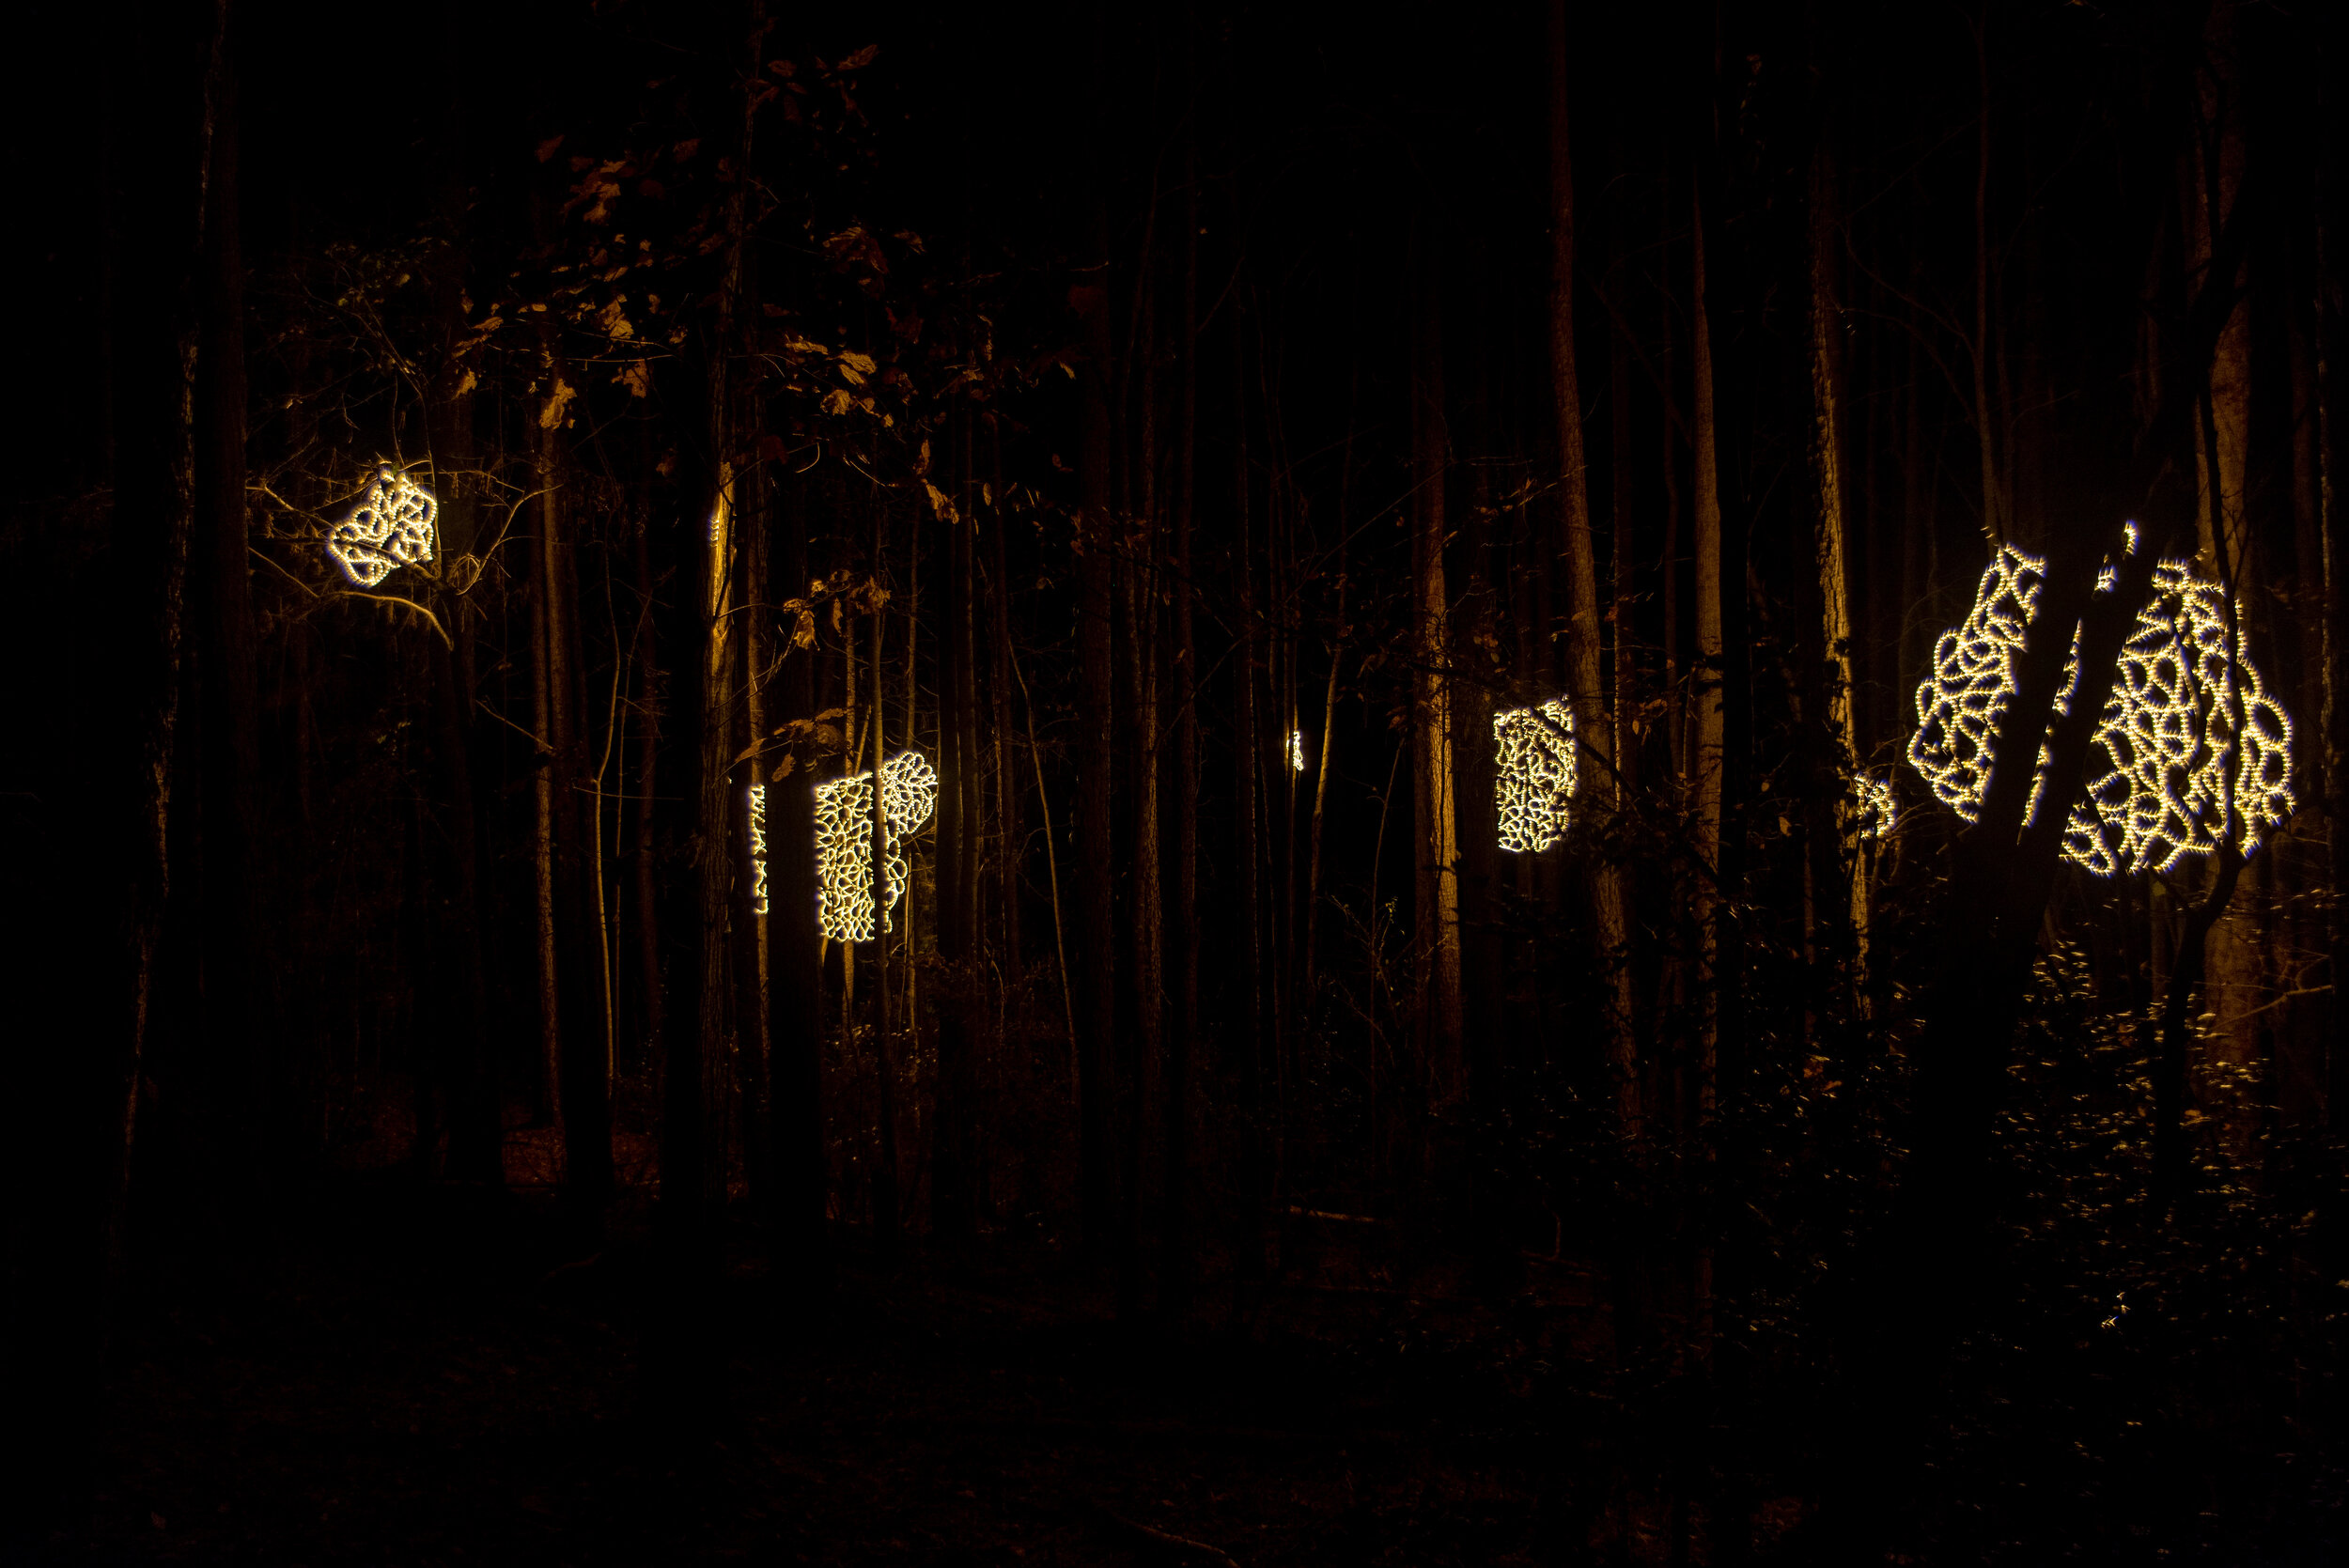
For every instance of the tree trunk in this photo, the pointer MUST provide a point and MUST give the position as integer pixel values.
(1435, 921)
(651, 703)
(1096, 910)
(795, 953)
(542, 837)
(1174, 1266)
(1707, 754)
(584, 1066)
(2332, 365)
(749, 914)
(1836, 863)
(476, 1124)
(90, 838)
(887, 1221)
(1985, 432)
(1585, 686)
(237, 1026)
(1248, 1230)
(954, 1190)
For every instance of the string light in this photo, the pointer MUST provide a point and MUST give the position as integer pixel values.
(843, 843)
(1874, 809)
(1534, 775)
(2189, 753)
(759, 848)
(1296, 750)
(391, 526)
(2193, 750)
(1960, 704)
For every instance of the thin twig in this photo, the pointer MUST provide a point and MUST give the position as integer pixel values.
(395, 599)
(541, 747)
(288, 576)
(1176, 1547)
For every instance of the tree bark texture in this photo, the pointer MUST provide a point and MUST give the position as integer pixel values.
(1585, 683)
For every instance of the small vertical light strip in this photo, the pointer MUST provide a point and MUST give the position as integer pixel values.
(759, 848)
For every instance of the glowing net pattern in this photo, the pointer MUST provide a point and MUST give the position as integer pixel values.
(1874, 809)
(1296, 750)
(391, 526)
(2189, 751)
(759, 848)
(843, 843)
(1534, 775)
(2193, 751)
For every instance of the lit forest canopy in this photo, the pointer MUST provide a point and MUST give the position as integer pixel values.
(1413, 553)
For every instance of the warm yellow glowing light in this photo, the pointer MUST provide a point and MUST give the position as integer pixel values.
(1296, 750)
(759, 848)
(2192, 752)
(2189, 753)
(843, 843)
(391, 526)
(1874, 809)
(1534, 776)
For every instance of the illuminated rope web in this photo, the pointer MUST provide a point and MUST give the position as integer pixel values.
(843, 843)
(759, 848)
(1874, 809)
(1534, 775)
(2189, 751)
(2194, 752)
(391, 526)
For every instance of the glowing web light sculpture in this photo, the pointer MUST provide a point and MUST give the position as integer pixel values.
(2193, 750)
(1875, 810)
(843, 843)
(391, 526)
(759, 848)
(1534, 776)
(2189, 753)
(1296, 750)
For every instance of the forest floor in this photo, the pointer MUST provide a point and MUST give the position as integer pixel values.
(377, 1394)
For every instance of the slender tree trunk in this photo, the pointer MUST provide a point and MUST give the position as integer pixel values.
(90, 832)
(476, 1129)
(2170, 1089)
(692, 1150)
(2332, 453)
(1622, 544)
(1708, 757)
(1475, 665)
(2226, 544)
(236, 1021)
(582, 1076)
(1985, 433)
(750, 923)
(1142, 1014)
(1174, 1266)
(1248, 1237)
(1096, 1000)
(1009, 835)
(1836, 861)
(887, 1221)
(953, 1193)
(1585, 686)
(1435, 920)
(542, 845)
(652, 690)
(795, 954)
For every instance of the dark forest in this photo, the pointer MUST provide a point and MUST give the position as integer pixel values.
(1193, 784)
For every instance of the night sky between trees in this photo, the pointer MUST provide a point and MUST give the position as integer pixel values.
(1611, 750)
